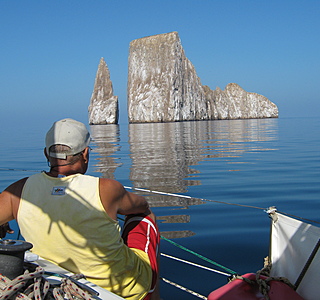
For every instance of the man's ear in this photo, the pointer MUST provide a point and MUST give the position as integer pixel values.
(86, 155)
(45, 153)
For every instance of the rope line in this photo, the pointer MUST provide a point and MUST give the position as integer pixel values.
(33, 285)
(199, 255)
(189, 197)
(193, 264)
(216, 201)
(183, 288)
(297, 217)
(263, 284)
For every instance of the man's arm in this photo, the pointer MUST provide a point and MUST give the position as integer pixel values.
(9, 201)
(117, 200)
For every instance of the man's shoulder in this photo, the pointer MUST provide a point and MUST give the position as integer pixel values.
(17, 186)
(110, 182)
(114, 189)
(14, 190)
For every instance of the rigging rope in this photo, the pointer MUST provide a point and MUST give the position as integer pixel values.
(189, 197)
(184, 288)
(193, 264)
(215, 201)
(263, 282)
(297, 217)
(199, 255)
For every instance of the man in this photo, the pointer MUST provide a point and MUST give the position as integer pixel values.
(71, 218)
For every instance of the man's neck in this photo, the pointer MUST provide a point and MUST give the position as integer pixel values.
(58, 172)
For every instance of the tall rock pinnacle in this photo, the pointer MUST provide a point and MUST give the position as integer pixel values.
(162, 82)
(103, 108)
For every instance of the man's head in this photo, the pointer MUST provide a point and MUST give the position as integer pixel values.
(72, 137)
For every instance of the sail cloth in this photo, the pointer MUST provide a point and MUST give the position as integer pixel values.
(292, 243)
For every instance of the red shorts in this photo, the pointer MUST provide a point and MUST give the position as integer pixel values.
(142, 233)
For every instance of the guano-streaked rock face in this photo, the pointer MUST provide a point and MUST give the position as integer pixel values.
(163, 87)
(235, 103)
(162, 83)
(103, 108)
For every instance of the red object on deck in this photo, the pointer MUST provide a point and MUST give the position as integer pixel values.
(238, 289)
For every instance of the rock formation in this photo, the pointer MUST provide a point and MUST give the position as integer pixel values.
(235, 103)
(162, 82)
(103, 108)
(163, 87)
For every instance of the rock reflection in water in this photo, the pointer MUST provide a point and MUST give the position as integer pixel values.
(106, 139)
(234, 137)
(162, 155)
(175, 219)
(165, 156)
(177, 234)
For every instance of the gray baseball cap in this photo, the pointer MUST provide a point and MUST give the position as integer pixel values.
(70, 133)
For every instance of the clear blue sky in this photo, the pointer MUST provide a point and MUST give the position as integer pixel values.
(50, 50)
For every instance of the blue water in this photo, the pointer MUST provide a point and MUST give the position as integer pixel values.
(256, 163)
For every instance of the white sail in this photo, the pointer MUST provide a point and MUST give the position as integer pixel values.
(292, 243)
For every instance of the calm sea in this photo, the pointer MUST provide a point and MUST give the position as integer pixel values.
(253, 164)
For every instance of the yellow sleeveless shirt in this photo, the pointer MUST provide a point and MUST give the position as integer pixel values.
(65, 221)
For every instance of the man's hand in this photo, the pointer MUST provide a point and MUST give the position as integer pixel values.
(4, 229)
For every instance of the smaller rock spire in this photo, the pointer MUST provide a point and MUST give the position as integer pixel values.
(103, 108)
